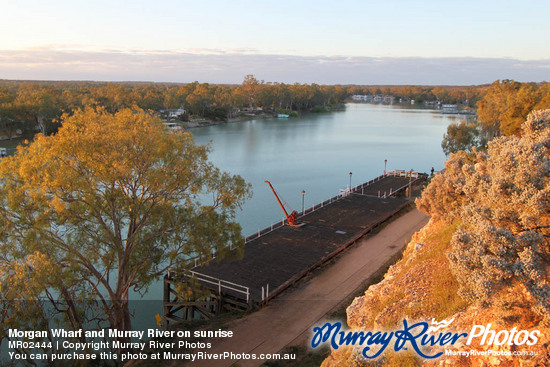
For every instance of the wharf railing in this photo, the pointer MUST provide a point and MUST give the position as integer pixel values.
(343, 193)
(220, 284)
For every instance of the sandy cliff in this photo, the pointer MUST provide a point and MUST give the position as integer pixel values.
(420, 287)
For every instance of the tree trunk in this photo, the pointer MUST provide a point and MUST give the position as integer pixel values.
(121, 304)
(41, 126)
(122, 319)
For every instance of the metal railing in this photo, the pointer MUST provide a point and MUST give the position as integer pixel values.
(341, 194)
(220, 283)
(401, 173)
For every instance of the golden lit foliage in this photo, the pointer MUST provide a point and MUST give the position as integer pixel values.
(507, 103)
(109, 203)
(460, 136)
(443, 197)
(501, 198)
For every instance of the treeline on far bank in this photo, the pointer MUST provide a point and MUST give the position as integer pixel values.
(26, 106)
(501, 112)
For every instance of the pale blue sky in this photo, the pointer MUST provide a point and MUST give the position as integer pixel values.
(117, 40)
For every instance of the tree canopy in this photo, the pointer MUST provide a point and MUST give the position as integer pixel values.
(501, 199)
(28, 106)
(462, 136)
(507, 103)
(106, 206)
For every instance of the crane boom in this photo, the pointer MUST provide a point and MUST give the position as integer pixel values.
(293, 217)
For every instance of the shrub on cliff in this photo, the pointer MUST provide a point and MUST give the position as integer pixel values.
(502, 199)
(443, 197)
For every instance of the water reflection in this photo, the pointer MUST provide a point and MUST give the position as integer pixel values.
(316, 152)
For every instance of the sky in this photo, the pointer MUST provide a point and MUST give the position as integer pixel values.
(325, 42)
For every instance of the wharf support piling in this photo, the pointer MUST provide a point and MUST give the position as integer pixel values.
(279, 258)
(187, 298)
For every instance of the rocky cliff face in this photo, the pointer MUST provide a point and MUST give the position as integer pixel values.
(421, 287)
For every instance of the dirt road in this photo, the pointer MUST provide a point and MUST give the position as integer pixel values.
(290, 318)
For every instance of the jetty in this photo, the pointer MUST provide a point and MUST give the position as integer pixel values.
(277, 257)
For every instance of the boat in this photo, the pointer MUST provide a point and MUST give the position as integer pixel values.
(283, 116)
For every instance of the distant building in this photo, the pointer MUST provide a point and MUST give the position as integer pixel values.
(388, 99)
(369, 98)
(449, 108)
(172, 114)
(173, 126)
(361, 97)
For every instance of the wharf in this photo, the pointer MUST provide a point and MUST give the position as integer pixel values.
(277, 257)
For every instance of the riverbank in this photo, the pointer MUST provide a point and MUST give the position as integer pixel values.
(202, 122)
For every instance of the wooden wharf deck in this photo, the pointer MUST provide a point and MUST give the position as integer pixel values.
(277, 257)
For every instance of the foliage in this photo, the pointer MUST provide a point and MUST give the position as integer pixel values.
(462, 136)
(466, 96)
(217, 114)
(503, 203)
(288, 112)
(319, 109)
(506, 105)
(32, 106)
(444, 196)
(106, 206)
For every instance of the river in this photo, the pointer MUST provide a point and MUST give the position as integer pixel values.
(317, 152)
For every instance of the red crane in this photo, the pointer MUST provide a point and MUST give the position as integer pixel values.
(292, 219)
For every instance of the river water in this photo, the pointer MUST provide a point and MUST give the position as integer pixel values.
(317, 152)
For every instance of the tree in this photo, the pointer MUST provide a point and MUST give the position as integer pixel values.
(107, 205)
(461, 136)
(15, 116)
(444, 197)
(440, 93)
(250, 88)
(505, 107)
(113, 97)
(504, 237)
(200, 99)
(42, 105)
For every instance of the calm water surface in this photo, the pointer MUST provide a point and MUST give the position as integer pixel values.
(317, 152)
(314, 153)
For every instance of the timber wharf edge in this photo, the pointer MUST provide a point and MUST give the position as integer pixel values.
(280, 255)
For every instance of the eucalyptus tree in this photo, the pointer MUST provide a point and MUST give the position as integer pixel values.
(106, 206)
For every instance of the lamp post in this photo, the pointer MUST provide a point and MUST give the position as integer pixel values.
(410, 183)
(350, 181)
(303, 195)
(385, 164)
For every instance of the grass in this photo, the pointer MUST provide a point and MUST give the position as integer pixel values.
(436, 245)
(401, 359)
(441, 300)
